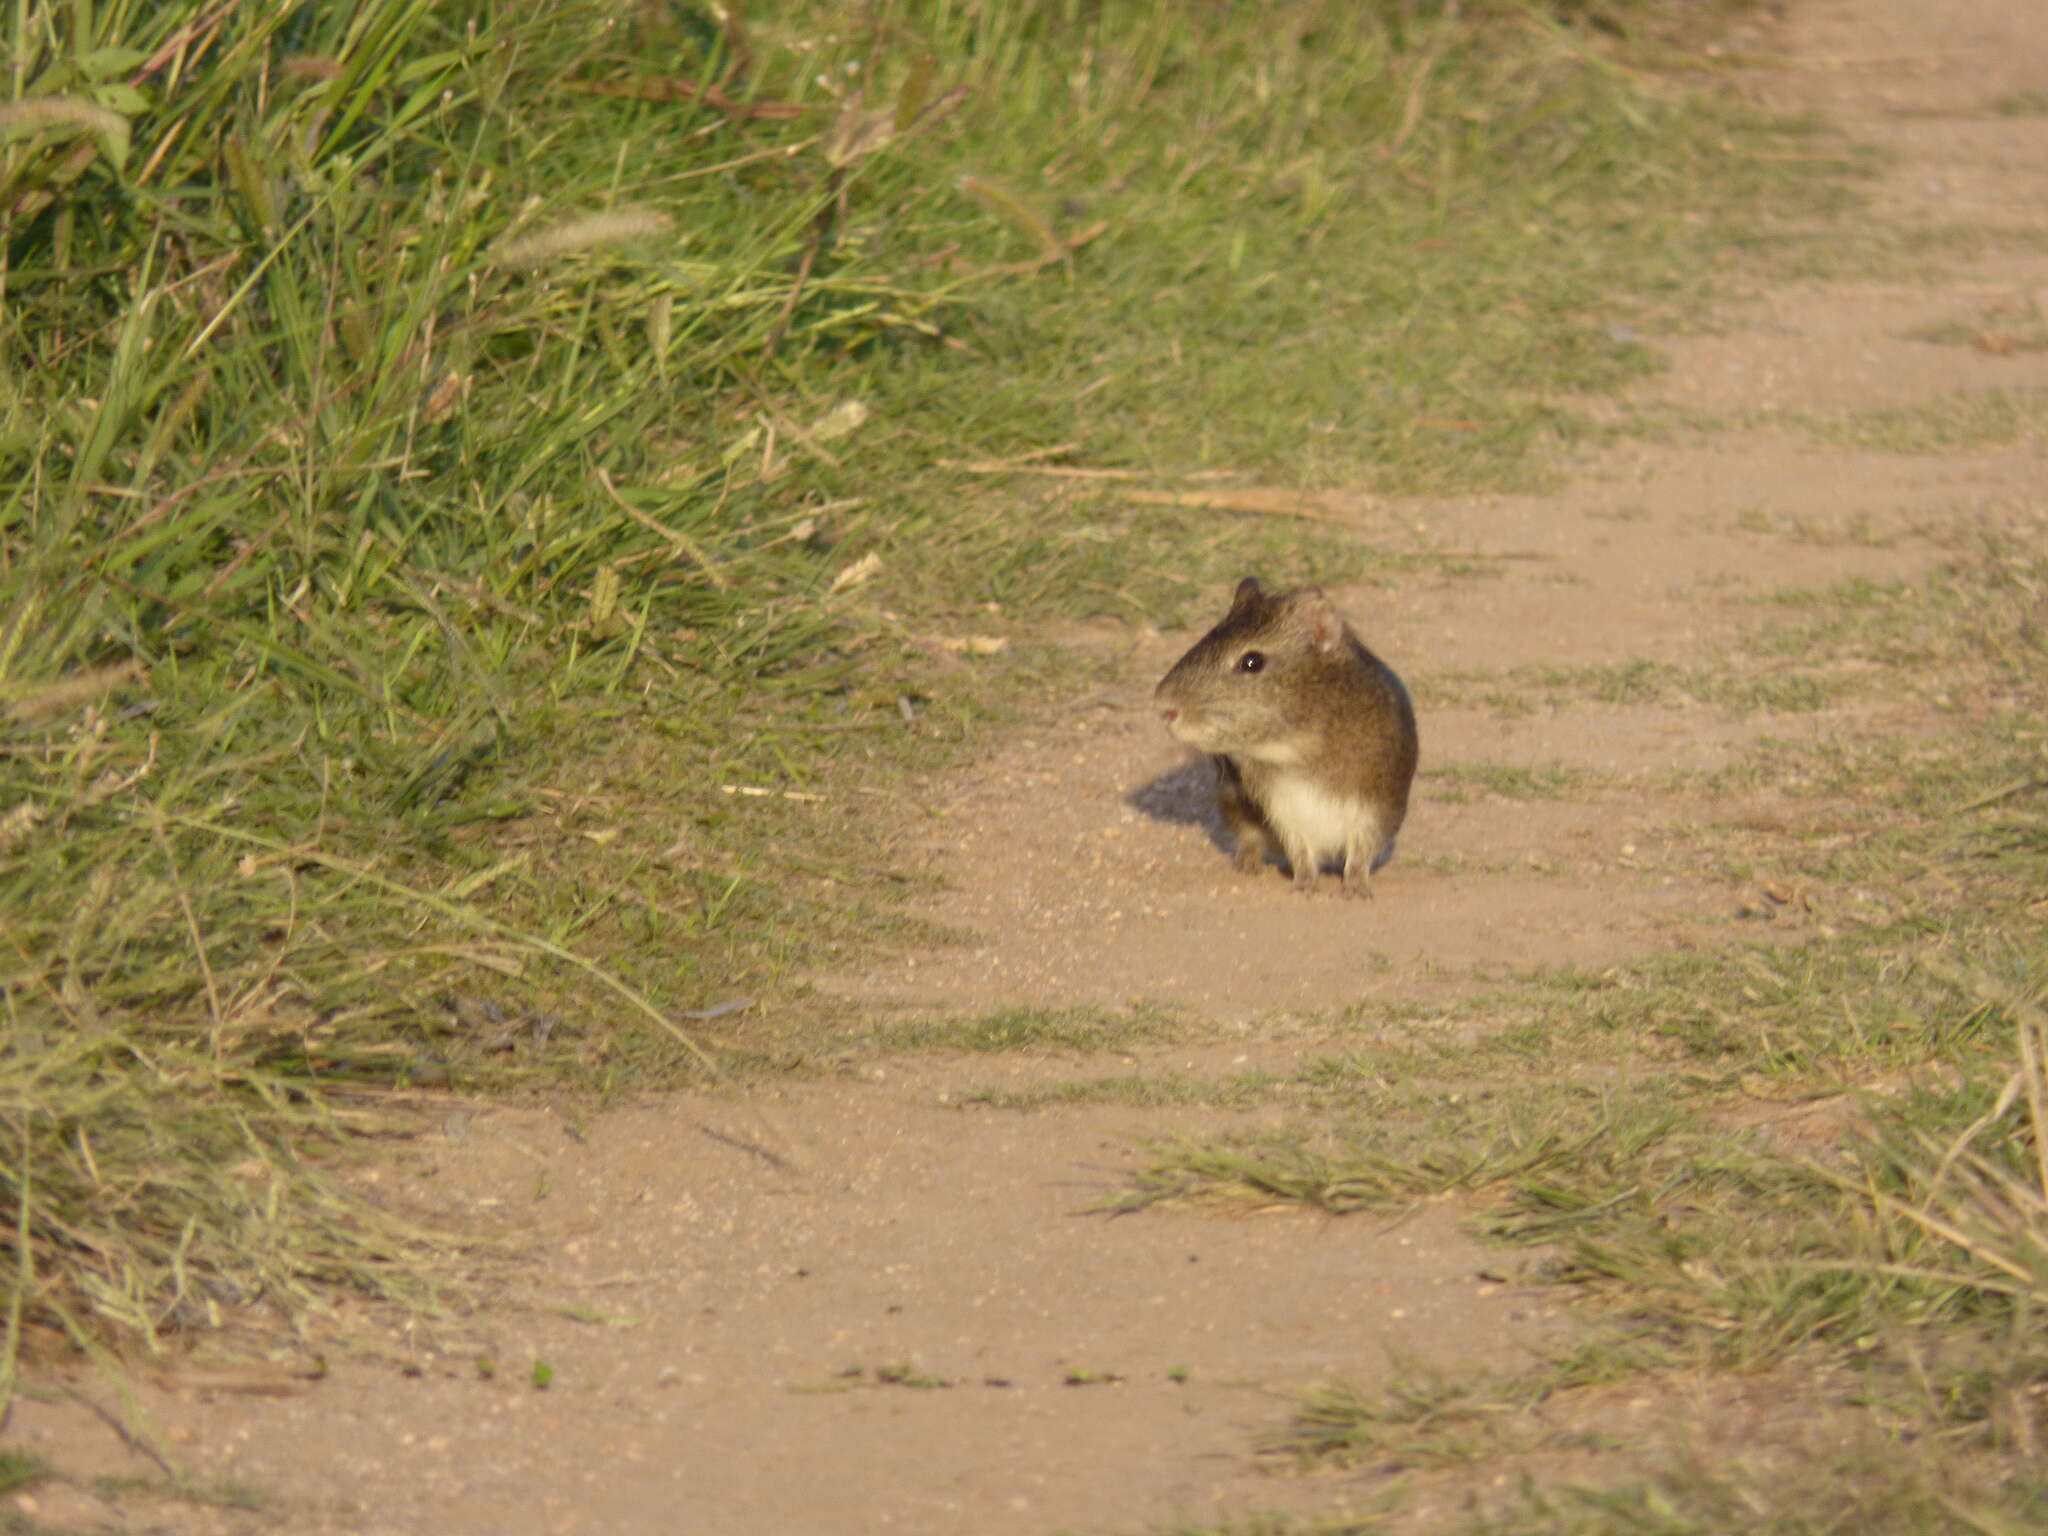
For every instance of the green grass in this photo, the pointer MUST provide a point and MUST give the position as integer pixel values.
(1137, 1090)
(1461, 1141)
(1731, 685)
(1882, 251)
(1511, 781)
(482, 528)
(1036, 1030)
(1872, 1486)
(19, 1469)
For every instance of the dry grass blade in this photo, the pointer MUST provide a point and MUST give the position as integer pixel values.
(1261, 501)
(1009, 206)
(1968, 1200)
(40, 702)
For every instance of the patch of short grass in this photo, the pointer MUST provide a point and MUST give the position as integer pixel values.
(21, 1469)
(1137, 1090)
(1512, 781)
(1424, 1418)
(1838, 250)
(1872, 1485)
(1859, 530)
(1742, 689)
(1994, 418)
(1470, 1140)
(1036, 1030)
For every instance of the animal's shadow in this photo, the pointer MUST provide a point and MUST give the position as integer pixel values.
(1186, 797)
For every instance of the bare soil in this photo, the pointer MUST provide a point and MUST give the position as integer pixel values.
(868, 1305)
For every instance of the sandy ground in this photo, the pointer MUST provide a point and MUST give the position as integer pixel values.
(863, 1306)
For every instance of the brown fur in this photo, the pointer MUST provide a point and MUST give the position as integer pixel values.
(1314, 741)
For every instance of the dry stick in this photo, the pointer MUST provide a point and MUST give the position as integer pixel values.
(181, 40)
(1267, 504)
(829, 213)
(1822, 159)
(1026, 460)
(1251, 499)
(740, 1143)
(1946, 1277)
(833, 211)
(134, 1442)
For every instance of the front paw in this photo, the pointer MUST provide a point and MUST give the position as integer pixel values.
(1250, 857)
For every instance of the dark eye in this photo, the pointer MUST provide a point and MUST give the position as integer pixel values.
(1251, 661)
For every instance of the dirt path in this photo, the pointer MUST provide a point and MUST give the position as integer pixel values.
(890, 1310)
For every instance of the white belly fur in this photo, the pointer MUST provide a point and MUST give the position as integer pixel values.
(1304, 814)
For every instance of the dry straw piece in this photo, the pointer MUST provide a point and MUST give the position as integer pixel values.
(591, 232)
(69, 692)
(62, 112)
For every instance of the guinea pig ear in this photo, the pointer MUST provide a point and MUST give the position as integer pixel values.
(1248, 592)
(1318, 618)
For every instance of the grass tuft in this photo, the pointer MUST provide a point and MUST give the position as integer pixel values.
(1037, 1030)
(1462, 1144)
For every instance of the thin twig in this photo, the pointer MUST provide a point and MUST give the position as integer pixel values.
(1252, 499)
(129, 1438)
(725, 1138)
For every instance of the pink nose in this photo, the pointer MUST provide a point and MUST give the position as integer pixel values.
(1169, 715)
